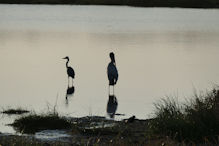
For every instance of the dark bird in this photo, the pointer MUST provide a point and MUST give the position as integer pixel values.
(112, 71)
(70, 70)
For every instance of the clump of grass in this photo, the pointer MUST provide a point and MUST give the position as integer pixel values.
(17, 111)
(33, 123)
(202, 116)
(169, 118)
(195, 121)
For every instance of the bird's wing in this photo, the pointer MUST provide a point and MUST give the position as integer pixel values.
(71, 71)
(112, 71)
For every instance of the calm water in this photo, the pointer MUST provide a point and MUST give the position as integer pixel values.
(159, 52)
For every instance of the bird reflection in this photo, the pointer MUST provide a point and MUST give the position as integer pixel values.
(69, 92)
(112, 106)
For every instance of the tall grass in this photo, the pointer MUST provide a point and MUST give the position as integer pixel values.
(197, 120)
(37, 122)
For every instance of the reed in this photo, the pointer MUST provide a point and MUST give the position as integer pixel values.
(195, 121)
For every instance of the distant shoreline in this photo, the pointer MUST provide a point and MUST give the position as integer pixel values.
(135, 3)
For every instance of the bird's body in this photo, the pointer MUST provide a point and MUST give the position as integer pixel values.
(70, 70)
(112, 73)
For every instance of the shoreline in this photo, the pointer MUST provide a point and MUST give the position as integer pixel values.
(174, 123)
(91, 130)
(150, 4)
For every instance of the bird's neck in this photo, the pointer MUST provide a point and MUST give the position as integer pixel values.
(113, 62)
(67, 63)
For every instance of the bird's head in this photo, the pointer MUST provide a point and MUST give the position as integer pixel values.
(112, 57)
(66, 58)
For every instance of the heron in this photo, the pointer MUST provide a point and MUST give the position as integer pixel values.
(70, 70)
(112, 71)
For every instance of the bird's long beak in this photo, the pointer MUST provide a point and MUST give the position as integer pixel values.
(64, 58)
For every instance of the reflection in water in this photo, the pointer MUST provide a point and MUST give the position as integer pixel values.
(112, 106)
(69, 92)
(145, 42)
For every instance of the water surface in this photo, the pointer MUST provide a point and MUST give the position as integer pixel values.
(159, 52)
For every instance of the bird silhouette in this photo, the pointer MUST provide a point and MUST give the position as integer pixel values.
(70, 70)
(112, 71)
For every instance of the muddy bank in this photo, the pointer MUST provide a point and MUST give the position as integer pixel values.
(91, 140)
(89, 131)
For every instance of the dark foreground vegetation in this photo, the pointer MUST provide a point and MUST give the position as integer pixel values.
(174, 123)
(89, 131)
(196, 121)
(34, 123)
(140, 3)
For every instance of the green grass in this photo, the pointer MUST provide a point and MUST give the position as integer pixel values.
(195, 121)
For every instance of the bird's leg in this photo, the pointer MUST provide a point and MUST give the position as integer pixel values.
(109, 89)
(68, 81)
(66, 100)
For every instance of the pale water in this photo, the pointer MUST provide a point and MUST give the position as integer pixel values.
(159, 52)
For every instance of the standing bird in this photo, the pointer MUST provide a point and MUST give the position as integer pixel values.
(70, 70)
(112, 71)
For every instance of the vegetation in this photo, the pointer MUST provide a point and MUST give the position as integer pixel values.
(195, 121)
(142, 3)
(173, 124)
(33, 123)
(97, 140)
(84, 131)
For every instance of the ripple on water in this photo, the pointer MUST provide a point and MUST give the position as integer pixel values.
(51, 135)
